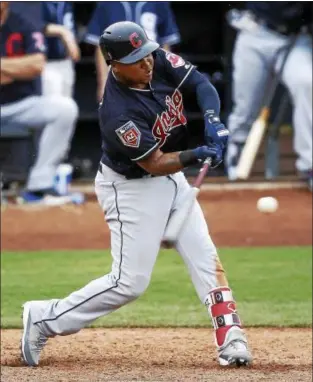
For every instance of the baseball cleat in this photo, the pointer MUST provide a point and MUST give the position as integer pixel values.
(33, 341)
(235, 352)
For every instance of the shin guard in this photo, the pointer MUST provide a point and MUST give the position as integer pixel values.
(222, 308)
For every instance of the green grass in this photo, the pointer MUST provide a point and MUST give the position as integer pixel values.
(273, 286)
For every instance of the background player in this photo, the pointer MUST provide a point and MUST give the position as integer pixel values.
(156, 17)
(139, 184)
(23, 107)
(268, 31)
(62, 48)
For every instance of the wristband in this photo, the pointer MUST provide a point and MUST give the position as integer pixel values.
(187, 158)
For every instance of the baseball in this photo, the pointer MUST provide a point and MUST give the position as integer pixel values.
(267, 204)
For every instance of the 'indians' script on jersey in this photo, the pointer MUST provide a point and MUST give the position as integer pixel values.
(170, 119)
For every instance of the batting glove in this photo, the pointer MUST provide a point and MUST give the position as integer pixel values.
(211, 151)
(214, 130)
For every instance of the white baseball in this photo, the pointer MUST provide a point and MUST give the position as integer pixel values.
(267, 204)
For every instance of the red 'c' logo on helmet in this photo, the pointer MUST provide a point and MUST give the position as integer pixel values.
(135, 40)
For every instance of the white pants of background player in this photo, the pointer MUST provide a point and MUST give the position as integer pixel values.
(137, 212)
(58, 78)
(56, 116)
(253, 59)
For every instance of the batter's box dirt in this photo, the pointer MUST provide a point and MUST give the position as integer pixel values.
(172, 355)
(231, 215)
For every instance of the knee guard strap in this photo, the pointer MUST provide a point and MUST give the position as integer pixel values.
(222, 308)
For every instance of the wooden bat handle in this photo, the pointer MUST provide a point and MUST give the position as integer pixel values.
(202, 173)
(265, 113)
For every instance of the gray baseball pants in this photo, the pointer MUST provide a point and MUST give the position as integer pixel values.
(56, 116)
(254, 55)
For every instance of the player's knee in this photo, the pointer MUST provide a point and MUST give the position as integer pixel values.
(62, 109)
(69, 108)
(135, 286)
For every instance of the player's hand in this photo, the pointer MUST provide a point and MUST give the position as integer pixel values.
(211, 151)
(215, 131)
(71, 45)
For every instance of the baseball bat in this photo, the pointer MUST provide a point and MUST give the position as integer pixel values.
(178, 218)
(258, 128)
(272, 141)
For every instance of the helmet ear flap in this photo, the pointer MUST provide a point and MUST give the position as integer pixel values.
(106, 54)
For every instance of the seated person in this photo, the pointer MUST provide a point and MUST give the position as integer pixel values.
(23, 106)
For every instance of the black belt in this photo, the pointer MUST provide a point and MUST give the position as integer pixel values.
(129, 177)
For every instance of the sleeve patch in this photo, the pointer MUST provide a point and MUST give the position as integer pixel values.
(175, 60)
(39, 41)
(129, 134)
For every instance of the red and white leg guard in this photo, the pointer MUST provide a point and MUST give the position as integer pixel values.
(222, 308)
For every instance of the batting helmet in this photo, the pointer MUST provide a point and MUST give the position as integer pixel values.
(126, 42)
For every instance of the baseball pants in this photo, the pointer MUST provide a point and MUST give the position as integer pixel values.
(58, 78)
(137, 212)
(253, 58)
(56, 116)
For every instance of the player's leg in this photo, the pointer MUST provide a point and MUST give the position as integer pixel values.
(68, 75)
(200, 255)
(251, 65)
(52, 79)
(56, 116)
(297, 76)
(136, 212)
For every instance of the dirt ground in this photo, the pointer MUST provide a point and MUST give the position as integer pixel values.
(231, 215)
(162, 354)
(171, 355)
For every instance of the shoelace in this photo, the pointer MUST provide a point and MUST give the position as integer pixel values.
(40, 343)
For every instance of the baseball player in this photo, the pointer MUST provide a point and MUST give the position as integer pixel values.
(62, 49)
(22, 52)
(156, 17)
(56, 21)
(139, 184)
(265, 29)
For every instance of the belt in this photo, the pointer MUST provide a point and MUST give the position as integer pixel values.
(129, 177)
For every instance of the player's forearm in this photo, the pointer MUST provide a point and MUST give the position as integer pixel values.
(23, 68)
(101, 68)
(206, 93)
(5, 79)
(168, 163)
(54, 30)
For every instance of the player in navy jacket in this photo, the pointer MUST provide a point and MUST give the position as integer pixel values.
(62, 47)
(56, 21)
(23, 106)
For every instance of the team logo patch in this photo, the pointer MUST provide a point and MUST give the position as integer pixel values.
(129, 134)
(175, 60)
(231, 306)
(135, 40)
